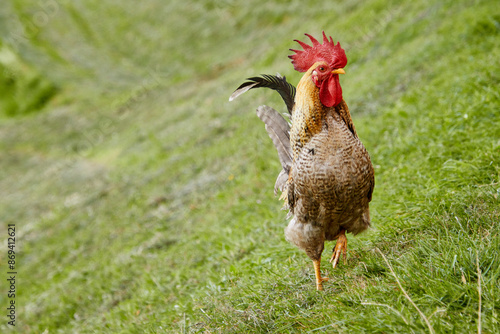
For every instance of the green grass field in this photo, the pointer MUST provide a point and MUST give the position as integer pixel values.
(143, 200)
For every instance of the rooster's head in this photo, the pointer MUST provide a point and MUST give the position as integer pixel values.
(326, 61)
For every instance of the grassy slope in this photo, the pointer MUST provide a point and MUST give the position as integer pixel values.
(143, 199)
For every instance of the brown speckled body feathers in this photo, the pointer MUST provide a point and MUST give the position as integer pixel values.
(331, 180)
(330, 184)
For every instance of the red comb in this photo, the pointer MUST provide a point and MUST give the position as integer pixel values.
(333, 54)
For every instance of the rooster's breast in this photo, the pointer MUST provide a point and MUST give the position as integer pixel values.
(332, 176)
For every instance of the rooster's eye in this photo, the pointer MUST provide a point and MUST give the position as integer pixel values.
(322, 69)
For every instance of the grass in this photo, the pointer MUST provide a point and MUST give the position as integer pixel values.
(143, 199)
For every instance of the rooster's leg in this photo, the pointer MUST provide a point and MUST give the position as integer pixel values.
(340, 248)
(319, 279)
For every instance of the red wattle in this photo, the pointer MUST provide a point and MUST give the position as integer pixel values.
(330, 92)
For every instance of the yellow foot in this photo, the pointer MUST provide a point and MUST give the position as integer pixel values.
(340, 248)
(319, 279)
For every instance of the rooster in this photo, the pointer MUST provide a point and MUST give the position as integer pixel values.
(327, 177)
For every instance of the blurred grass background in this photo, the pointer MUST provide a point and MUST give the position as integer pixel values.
(143, 199)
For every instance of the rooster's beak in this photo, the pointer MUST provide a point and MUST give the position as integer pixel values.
(338, 71)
